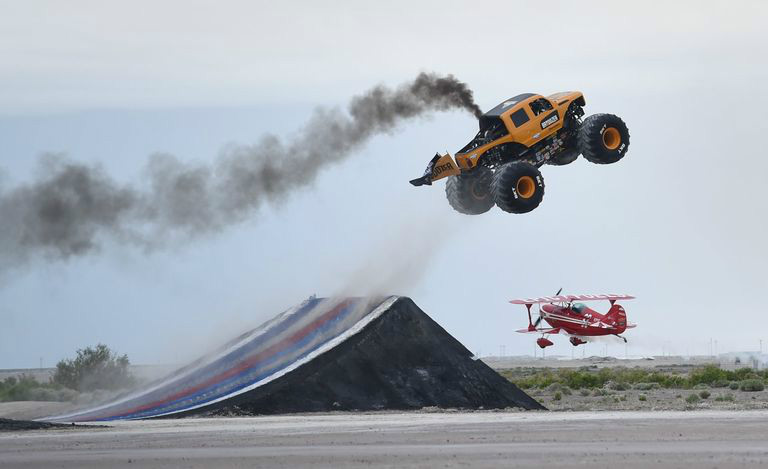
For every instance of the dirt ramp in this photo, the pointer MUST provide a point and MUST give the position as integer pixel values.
(320, 355)
(400, 360)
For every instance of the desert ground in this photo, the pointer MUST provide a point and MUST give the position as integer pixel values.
(596, 428)
(638, 397)
(704, 439)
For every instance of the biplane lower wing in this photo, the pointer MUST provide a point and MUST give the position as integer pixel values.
(551, 330)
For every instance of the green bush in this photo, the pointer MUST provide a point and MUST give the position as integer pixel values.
(692, 399)
(646, 386)
(618, 386)
(578, 379)
(27, 388)
(704, 394)
(558, 395)
(642, 379)
(554, 387)
(642, 397)
(707, 375)
(726, 397)
(93, 369)
(734, 385)
(584, 392)
(745, 373)
(752, 385)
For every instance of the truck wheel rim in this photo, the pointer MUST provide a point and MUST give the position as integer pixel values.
(525, 187)
(477, 193)
(480, 189)
(611, 138)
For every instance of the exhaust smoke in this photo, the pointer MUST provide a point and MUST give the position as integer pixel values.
(71, 207)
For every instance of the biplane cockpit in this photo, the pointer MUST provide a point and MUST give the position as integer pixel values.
(578, 308)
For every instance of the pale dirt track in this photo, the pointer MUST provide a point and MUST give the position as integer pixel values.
(699, 439)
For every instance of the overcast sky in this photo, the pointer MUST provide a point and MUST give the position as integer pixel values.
(680, 222)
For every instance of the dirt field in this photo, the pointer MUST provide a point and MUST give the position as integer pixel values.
(638, 396)
(651, 400)
(601, 427)
(501, 363)
(538, 439)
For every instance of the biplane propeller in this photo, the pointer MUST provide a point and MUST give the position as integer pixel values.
(538, 320)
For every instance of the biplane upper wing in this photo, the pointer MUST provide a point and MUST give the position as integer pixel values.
(569, 298)
(610, 296)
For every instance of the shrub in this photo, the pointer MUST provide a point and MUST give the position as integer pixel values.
(692, 399)
(744, 373)
(620, 378)
(646, 386)
(726, 397)
(582, 378)
(618, 386)
(707, 375)
(554, 387)
(584, 392)
(704, 394)
(26, 388)
(94, 368)
(558, 395)
(734, 385)
(752, 385)
(642, 397)
(598, 392)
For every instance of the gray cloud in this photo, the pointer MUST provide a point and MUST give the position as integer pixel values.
(71, 207)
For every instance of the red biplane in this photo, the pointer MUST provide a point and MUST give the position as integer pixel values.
(575, 319)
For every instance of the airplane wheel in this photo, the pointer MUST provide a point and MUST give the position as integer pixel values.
(603, 138)
(470, 193)
(518, 187)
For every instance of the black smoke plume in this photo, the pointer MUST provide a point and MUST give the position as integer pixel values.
(72, 207)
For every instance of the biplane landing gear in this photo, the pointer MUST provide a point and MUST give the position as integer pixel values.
(621, 337)
(576, 341)
(543, 342)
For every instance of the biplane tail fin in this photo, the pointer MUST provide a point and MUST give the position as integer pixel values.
(617, 317)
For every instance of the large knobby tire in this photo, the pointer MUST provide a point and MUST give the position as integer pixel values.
(603, 138)
(565, 157)
(470, 193)
(518, 187)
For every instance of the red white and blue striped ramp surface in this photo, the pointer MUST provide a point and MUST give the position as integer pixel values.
(253, 359)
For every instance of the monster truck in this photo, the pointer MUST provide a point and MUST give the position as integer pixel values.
(501, 164)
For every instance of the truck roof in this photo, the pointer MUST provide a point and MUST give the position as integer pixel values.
(506, 105)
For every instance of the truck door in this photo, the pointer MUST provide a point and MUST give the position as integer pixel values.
(546, 120)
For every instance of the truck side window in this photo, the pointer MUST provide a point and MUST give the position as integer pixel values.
(519, 117)
(540, 105)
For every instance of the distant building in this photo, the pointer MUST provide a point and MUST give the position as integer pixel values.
(734, 360)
